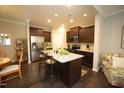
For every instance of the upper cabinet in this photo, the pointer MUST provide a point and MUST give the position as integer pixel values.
(33, 31)
(73, 34)
(40, 33)
(68, 36)
(74, 31)
(86, 35)
(36, 31)
(90, 34)
(47, 36)
(81, 35)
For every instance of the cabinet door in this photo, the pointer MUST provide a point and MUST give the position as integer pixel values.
(33, 31)
(68, 37)
(90, 34)
(47, 36)
(82, 35)
(40, 32)
(88, 59)
(74, 31)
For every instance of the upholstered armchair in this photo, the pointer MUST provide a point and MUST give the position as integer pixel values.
(113, 69)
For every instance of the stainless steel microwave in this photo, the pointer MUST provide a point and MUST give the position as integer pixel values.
(74, 39)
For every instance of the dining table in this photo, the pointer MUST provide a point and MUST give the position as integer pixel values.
(4, 62)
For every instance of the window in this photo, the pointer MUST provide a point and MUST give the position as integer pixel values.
(5, 39)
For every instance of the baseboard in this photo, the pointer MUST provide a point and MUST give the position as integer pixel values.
(96, 70)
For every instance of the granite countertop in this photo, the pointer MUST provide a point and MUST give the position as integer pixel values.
(66, 58)
(85, 50)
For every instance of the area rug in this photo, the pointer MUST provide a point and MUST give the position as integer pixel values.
(83, 72)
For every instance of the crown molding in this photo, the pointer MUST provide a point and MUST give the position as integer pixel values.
(45, 28)
(109, 14)
(12, 21)
(114, 13)
(37, 26)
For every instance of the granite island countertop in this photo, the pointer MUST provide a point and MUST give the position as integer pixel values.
(66, 58)
(91, 51)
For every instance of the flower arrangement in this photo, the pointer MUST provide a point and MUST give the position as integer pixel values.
(45, 45)
(20, 46)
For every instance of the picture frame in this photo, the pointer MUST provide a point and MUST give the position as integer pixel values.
(122, 39)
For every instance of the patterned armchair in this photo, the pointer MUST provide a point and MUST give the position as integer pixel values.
(114, 74)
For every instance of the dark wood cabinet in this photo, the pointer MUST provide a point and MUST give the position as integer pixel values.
(33, 31)
(40, 32)
(47, 36)
(90, 34)
(86, 35)
(81, 35)
(68, 36)
(36, 31)
(70, 72)
(73, 35)
(75, 31)
(37, 35)
(87, 59)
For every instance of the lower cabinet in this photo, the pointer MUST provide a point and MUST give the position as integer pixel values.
(87, 59)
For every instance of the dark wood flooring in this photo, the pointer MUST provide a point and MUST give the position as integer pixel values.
(32, 79)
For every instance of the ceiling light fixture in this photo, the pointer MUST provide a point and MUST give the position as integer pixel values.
(68, 5)
(56, 15)
(2, 35)
(49, 21)
(71, 20)
(85, 14)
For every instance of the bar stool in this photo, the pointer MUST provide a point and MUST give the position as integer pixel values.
(50, 67)
(50, 62)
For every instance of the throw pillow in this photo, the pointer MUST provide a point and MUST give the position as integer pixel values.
(118, 62)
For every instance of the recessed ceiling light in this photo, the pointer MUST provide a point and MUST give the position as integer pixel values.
(49, 21)
(56, 15)
(62, 24)
(1, 34)
(5, 34)
(68, 5)
(85, 14)
(71, 20)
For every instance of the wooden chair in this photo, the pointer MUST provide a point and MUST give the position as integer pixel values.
(2, 54)
(11, 69)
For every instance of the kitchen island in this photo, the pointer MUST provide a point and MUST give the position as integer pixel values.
(69, 67)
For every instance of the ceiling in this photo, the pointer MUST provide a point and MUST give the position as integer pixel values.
(108, 10)
(39, 14)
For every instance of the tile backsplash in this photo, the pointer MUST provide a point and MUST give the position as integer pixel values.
(84, 46)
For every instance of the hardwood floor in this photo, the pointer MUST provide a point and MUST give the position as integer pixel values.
(32, 79)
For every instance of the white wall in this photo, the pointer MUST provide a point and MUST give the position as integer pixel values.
(16, 30)
(108, 33)
(59, 37)
(98, 42)
(112, 33)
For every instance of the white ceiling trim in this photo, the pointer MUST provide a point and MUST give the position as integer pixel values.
(36, 26)
(114, 13)
(98, 10)
(107, 15)
(12, 21)
(44, 28)
(23, 23)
